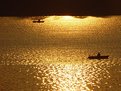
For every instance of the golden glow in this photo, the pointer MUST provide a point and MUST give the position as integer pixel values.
(60, 18)
(67, 17)
(72, 21)
(71, 24)
(69, 78)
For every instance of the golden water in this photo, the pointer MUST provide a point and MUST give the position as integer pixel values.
(52, 56)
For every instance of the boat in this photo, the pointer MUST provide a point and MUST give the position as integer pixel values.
(98, 56)
(38, 21)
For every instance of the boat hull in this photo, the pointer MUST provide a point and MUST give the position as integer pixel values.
(38, 21)
(98, 57)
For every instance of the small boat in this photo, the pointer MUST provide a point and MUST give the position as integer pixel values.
(98, 56)
(38, 21)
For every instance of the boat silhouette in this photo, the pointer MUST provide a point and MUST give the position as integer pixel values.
(38, 21)
(98, 56)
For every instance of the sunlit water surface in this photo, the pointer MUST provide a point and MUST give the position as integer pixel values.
(52, 56)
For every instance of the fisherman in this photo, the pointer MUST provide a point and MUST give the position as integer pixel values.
(98, 54)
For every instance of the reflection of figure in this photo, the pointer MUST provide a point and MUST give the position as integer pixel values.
(98, 54)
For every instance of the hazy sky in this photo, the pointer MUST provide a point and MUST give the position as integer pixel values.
(56, 7)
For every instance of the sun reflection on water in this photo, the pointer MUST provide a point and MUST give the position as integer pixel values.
(46, 75)
(69, 77)
(66, 78)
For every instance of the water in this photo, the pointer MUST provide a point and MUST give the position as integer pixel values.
(52, 56)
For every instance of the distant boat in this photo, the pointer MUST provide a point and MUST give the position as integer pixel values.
(98, 56)
(38, 21)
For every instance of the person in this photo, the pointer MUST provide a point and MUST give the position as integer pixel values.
(98, 54)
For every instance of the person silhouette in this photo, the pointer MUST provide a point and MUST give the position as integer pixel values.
(98, 54)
